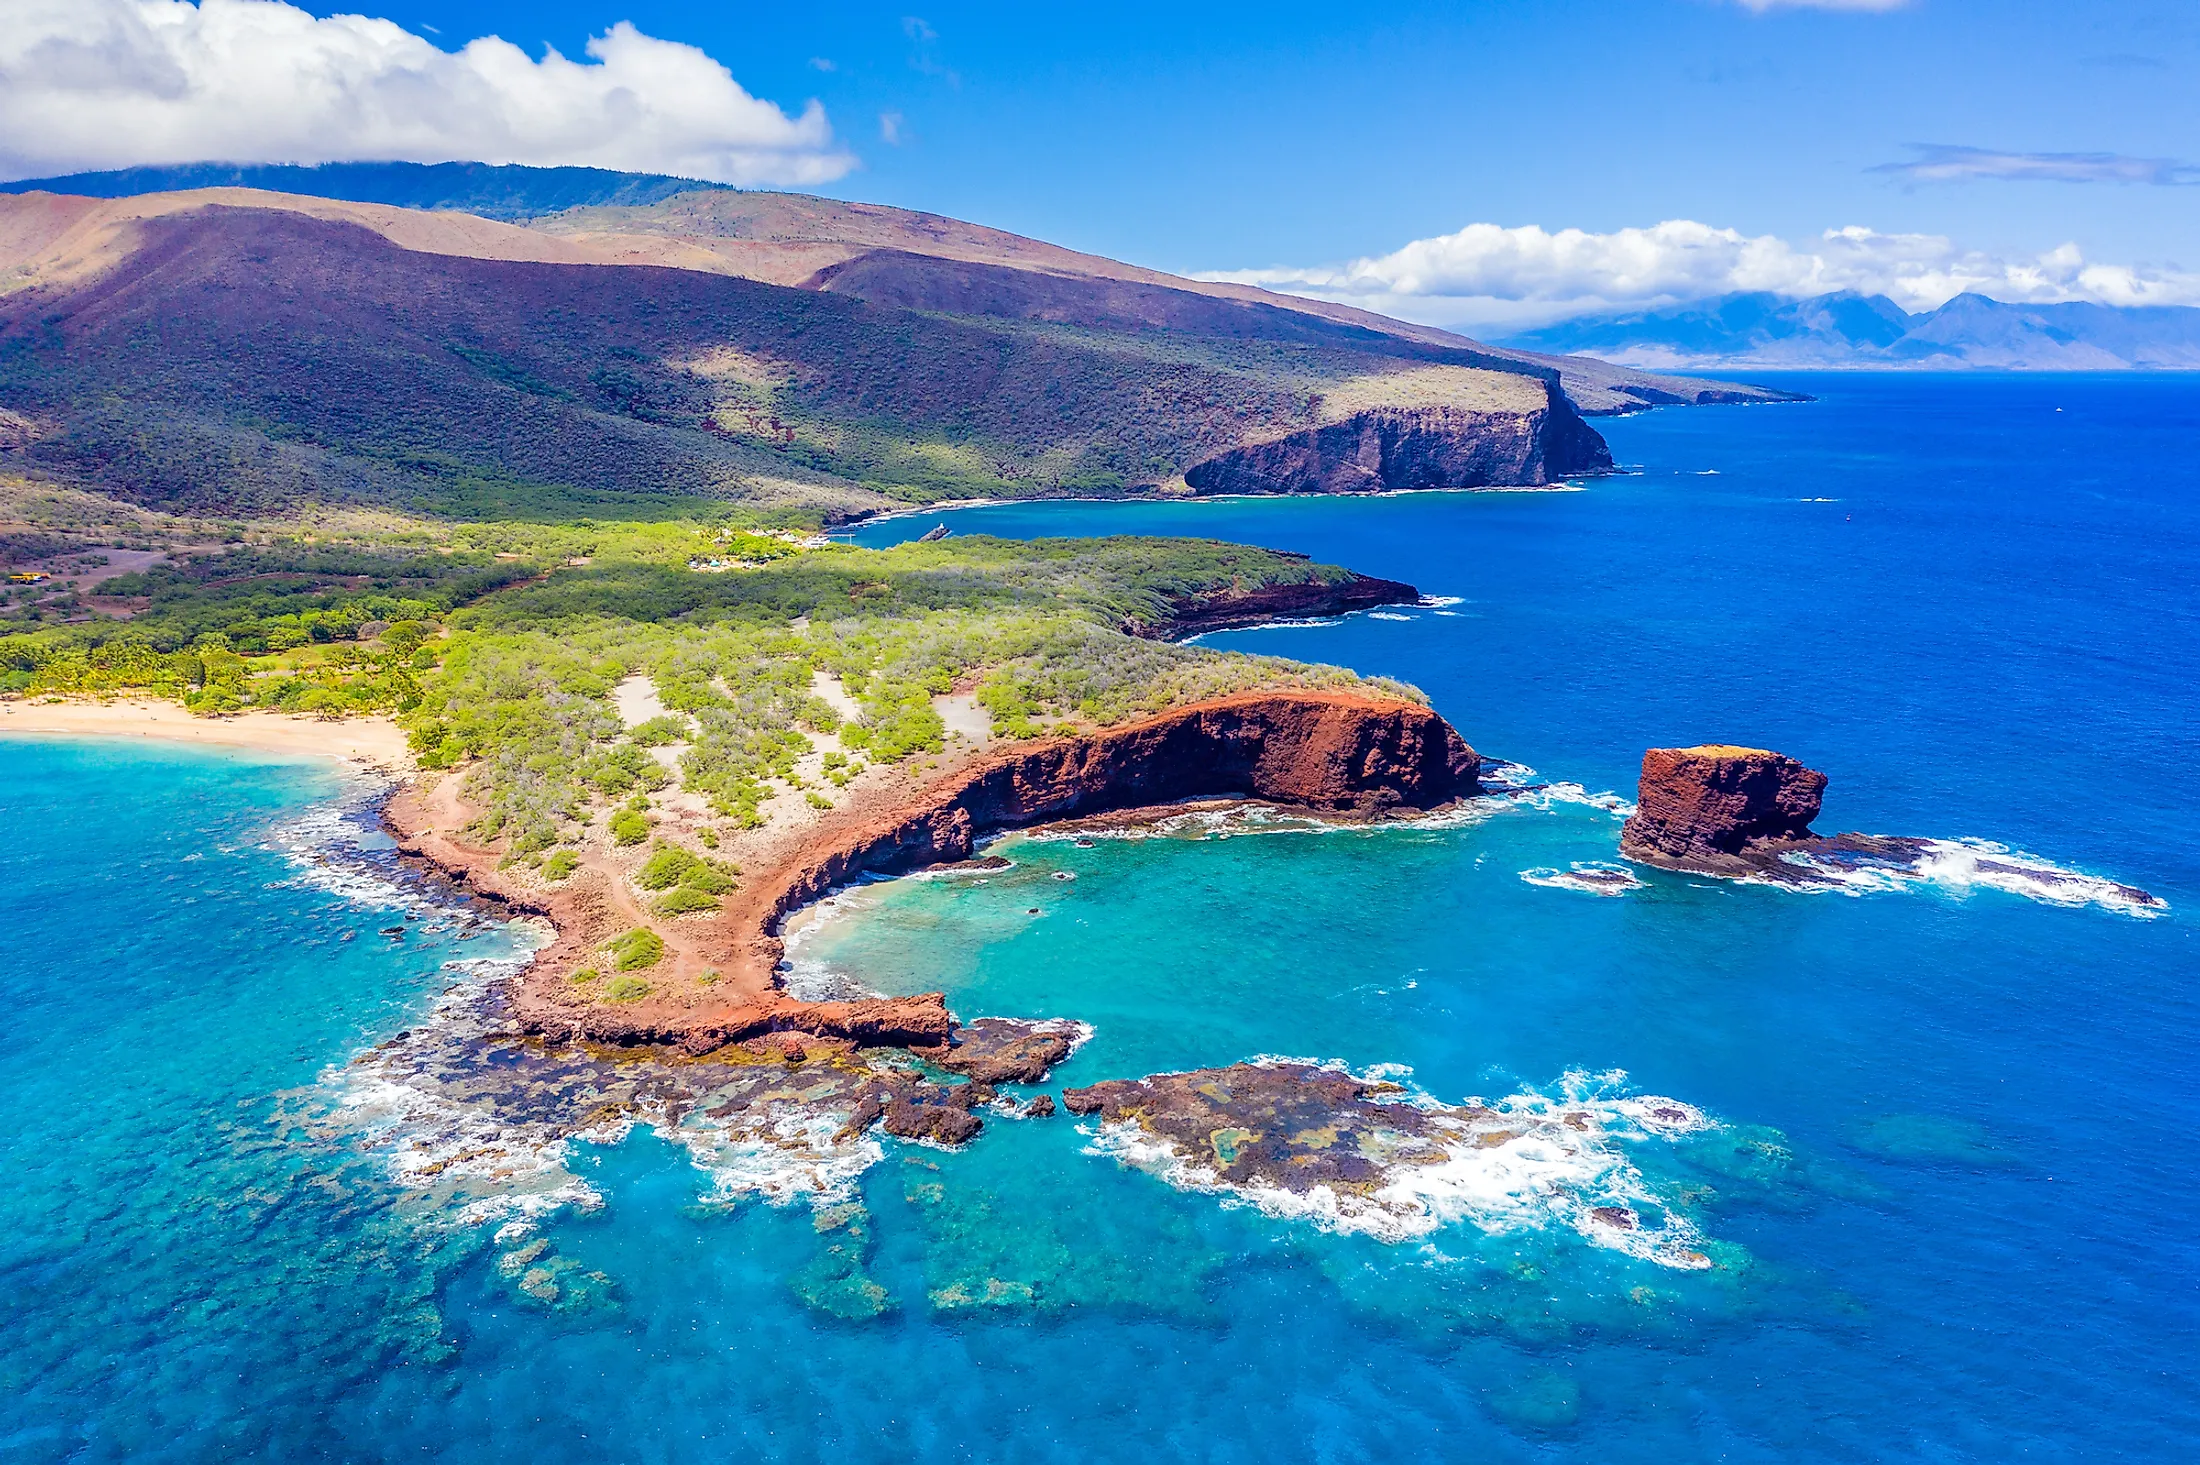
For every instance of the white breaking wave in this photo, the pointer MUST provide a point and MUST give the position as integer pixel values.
(1298, 624)
(1962, 867)
(481, 1167)
(808, 980)
(325, 842)
(786, 1154)
(1595, 877)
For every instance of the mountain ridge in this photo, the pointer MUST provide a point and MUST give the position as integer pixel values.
(784, 354)
(603, 217)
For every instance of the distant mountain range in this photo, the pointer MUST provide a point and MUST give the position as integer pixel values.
(1759, 329)
(505, 191)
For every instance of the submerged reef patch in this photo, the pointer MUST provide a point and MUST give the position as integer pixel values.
(1366, 1154)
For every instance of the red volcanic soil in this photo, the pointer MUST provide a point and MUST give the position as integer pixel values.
(1338, 754)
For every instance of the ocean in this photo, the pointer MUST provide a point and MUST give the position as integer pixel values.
(1927, 1192)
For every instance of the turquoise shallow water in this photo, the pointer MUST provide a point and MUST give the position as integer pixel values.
(1947, 1182)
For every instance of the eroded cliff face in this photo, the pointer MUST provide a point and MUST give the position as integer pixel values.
(1337, 753)
(1708, 808)
(1389, 448)
(1196, 614)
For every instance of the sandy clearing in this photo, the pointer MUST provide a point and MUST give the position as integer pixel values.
(965, 718)
(828, 690)
(637, 701)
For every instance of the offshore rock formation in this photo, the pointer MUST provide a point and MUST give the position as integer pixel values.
(1715, 809)
(1388, 448)
(1745, 813)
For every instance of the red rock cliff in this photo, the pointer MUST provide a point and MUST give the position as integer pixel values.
(1702, 808)
(1386, 448)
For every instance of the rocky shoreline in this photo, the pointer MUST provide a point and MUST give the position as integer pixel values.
(1234, 609)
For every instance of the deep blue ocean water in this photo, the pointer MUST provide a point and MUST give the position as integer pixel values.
(1949, 1188)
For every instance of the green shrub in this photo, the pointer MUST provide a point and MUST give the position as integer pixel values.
(683, 899)
(708, 836)
(658, 731)
(626, 989)
(638, 948)
(584, 976)
(667, 868)
(672, 866)
(628, 827)
(404, 637)
(560, 864)
(534, 841)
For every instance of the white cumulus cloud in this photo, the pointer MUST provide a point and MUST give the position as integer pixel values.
(1486, 274)
(91, 84)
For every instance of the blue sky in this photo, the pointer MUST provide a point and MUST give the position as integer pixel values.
(1235, 137)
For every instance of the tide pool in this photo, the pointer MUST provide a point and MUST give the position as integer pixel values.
(1944, 1175)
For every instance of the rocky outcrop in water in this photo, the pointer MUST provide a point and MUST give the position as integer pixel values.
(1716, 809)
(996, 1050)
(1364, 1154)
(1287, 1125)
(1746, 813)
(1387, 448)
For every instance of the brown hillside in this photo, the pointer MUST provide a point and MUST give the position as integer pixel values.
(794, 238)
(250, 357)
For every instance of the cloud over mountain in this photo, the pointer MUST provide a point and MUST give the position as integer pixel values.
(89, 84)
(1487, 274)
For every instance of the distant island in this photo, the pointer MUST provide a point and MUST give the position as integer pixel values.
(1761, 330)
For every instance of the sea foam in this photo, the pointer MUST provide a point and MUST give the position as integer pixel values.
(1963, 867)
(1592, 877)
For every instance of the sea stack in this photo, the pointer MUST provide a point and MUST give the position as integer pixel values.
(1707, 809)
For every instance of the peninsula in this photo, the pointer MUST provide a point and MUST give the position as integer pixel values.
(1343, 754)
(667, 738)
